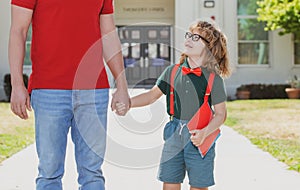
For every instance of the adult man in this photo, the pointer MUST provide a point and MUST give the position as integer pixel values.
(68, 84)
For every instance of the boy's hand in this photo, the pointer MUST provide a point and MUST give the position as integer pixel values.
(121, 108)
(197, 137)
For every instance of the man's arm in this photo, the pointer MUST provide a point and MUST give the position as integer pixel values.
(20, 21)
(112, 53)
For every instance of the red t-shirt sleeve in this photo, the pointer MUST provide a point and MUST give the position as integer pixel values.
(29, 4)
(108, 7)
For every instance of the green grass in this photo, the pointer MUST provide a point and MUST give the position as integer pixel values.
(12, 143)
(272, 125)
(15, 134)
(286, 151)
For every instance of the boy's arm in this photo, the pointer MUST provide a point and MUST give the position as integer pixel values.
(146, 98)
(20, 21)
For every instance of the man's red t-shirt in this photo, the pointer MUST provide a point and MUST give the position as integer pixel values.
(66, 49)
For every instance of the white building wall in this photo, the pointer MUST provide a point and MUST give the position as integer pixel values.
(4, 32)
(185, 13)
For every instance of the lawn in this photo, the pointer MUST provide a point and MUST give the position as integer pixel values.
(272, 125)
(15, 133)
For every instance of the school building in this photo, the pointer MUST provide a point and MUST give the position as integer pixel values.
(152, 36)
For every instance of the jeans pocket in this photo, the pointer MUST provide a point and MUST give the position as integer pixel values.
(168, 130)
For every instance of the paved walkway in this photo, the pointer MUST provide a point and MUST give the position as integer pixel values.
(134, 144)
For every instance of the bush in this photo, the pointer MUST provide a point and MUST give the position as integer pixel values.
(7, 84)
(266, 91)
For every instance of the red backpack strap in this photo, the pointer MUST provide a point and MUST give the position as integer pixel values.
(209, 86)
(172, 78)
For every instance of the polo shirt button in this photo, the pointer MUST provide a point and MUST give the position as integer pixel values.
(188, 81)
(186, 91)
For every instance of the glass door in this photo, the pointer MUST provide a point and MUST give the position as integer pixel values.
(146, 51)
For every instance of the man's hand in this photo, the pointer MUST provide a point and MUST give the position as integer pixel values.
(20, 101)
(120, 102)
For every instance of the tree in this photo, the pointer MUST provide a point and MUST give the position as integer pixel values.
(280, 14)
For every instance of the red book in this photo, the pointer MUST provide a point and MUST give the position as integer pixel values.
(208, 142)
(199, 121)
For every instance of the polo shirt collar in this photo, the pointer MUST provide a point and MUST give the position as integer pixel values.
(185, 63)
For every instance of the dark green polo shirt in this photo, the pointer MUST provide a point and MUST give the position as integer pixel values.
(190, 90)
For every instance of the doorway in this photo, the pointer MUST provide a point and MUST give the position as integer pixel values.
(146, 51)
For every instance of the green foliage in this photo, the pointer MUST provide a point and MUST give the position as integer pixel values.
(294, 82)
(280, 14)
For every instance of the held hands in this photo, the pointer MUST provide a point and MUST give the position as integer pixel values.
(120, 102)
(198, 137)
(121, 108)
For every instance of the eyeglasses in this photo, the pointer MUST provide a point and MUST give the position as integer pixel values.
(195, 37)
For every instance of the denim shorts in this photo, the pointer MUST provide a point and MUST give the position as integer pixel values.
(180, 156)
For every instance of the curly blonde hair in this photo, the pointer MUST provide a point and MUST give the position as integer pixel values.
(217, 53)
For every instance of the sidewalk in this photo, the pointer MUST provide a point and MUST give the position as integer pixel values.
(133, 152)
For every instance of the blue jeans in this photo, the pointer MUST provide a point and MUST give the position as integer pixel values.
(85, 111)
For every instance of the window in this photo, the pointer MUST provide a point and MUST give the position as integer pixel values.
(152, 50)
(164, 34)
(136, 50)
(152, 34)
(27, 60)
(123, 33)
(125, 49)
(297, 49)
(253, 41)
(164, 50)
(135, 34)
